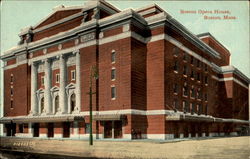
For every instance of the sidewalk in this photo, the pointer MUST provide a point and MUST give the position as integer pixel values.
(223, 148)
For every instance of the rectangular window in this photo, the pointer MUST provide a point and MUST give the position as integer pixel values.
(206, 109)
(176, 51)
(199, 106)
(57, 78)
(192, 60)
(185, 90)
(185, 70)
(206, 80)
(198, 76)
(175, 105)
(175, 88)
(11, 103)
(193, 108)
(176, 66)
(192, 92)
(198, 63)
(87, 128)
(185, 106)
(42, 80)
(11, 91)
(205, 67)
(205, 96)
(20, 127)
(185, 57)
(192, 74)
(199, 94)
(113, 92)
(113, 56)
(11, 78)
(113, 74)
(73, 75)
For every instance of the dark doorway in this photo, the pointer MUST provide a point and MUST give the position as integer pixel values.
(117, 129)
(36, 130)
(50, 130)
(8, 129)
(176, 130)
(108, 129)
(186, 131)
(66, 129)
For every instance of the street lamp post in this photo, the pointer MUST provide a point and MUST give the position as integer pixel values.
(93, 74)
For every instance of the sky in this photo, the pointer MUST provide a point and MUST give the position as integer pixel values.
(233, 33)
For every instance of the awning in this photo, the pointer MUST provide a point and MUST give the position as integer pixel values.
(187, 117)
(109, 117)
(40, 119)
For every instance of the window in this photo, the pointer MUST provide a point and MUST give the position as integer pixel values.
(72, 102)
(175, 87)
(206, 109)
(11, 91)
(73, 75)
(42, 80)
(176, 66)
(199, 93)
(113, 92)
(185, 70)
(205, 67)
(11, 103)
(185, 57)
(199, 107)
(57, 78)
(192, 74)
(176, 51)
(42, 104)
(193, 108)
(113, 56)
(192, 60)
(11, 78)
(185, 106)
(87, 128)
(57, 103)
(175, 103)
(198, 76)
(20, 127)
(192, 92)
(185, 89)
(198, 63)
(205, 96)
(113, 74)
(206, 80)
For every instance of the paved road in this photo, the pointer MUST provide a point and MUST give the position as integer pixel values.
(216, 148)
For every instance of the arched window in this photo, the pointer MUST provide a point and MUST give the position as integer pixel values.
(42, 104)
(72, 102)
(56, 103)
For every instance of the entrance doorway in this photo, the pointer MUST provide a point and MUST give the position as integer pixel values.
(50, 132)
(66, 129)
(113, 129)
(36, 130)
(11, 129)
(118, 129)
(108, 129)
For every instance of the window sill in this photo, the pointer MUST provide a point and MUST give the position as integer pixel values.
(112, 62)
(185, 76)
(175, 93)
(113, 98)
(175, 71)
(112, 79)
(192, 78)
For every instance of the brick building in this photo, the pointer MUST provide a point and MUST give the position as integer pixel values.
(157, 80)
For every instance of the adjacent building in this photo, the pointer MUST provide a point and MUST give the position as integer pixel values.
(156, 79)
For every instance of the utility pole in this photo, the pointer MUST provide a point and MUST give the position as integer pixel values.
(93, 74)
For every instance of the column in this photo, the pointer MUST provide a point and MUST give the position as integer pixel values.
(62, 93)
(47, 84)
(78, 83)
(34, 104)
